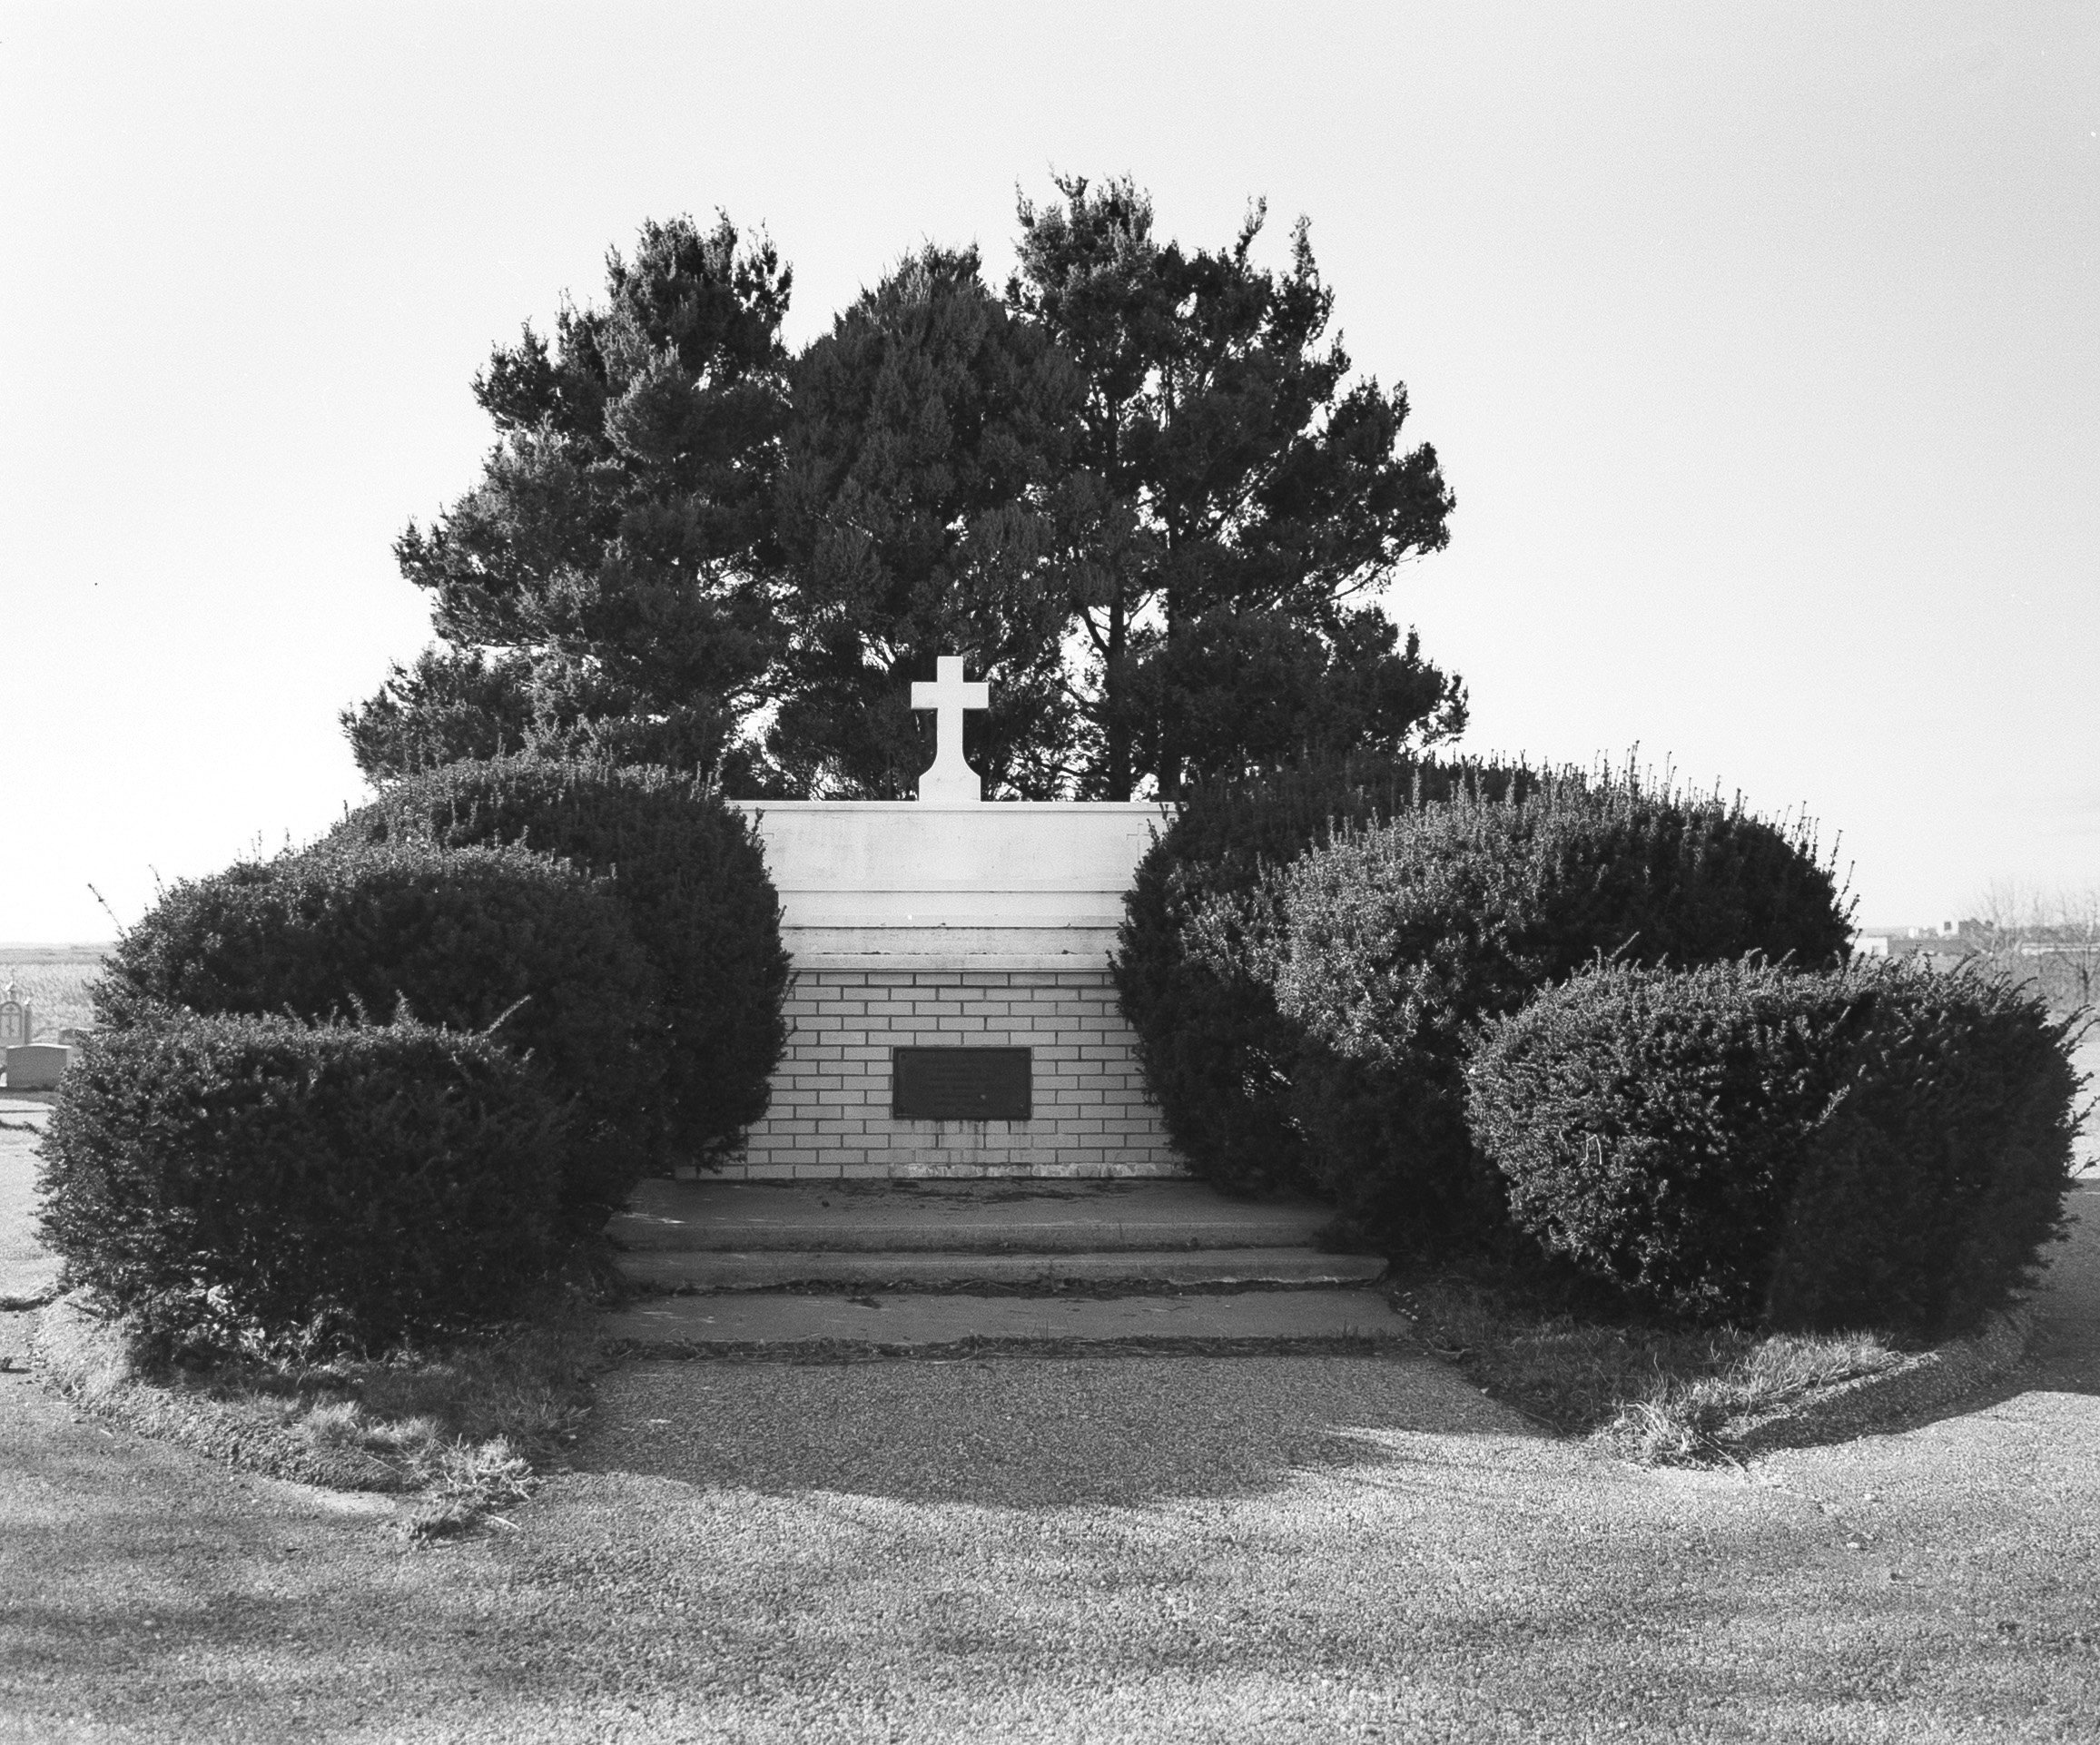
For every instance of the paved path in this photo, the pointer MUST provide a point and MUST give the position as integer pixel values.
(1034, 1216)
(2066, 1352)
(893, 1319)
(852, 1238)
(26, 1271)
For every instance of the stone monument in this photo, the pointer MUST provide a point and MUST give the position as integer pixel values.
(951, 1012)
(35, 1066)
(16, 1020)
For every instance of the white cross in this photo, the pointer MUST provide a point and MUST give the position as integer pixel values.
(950, 780)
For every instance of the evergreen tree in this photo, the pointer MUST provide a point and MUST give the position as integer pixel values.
(612, 580)
(918, 517)
(1245, 505)
(1140, 496)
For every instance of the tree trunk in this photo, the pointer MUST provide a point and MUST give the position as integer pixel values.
(1112, 696)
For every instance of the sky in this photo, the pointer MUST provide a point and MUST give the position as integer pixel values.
(1760, 345)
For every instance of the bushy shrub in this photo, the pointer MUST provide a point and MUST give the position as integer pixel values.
(1925, 1200)
(688, 870)
(1649, 1123)
(460, 939)
(257, 1180)
(1218, 1058)
(1391, 943)
(1873, 1147)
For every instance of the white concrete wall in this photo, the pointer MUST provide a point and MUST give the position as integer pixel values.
(921, 925)
(1006, 883)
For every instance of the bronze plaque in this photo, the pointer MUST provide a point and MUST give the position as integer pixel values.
(962, 1084)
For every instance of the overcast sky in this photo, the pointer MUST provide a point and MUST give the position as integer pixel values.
(1761, 344)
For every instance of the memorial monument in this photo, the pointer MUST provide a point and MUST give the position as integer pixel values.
(17, 1023)
(951, 1012)
(25, 1064)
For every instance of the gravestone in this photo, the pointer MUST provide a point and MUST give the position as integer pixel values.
(36, 1066)
(16, 1019)
(951, 1012)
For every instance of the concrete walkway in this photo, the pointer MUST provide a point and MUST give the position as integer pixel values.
(2065, 1352)
(26, 1271)
(909, 1321)
(862, 1243)
(959, 1216)
(861, 1271)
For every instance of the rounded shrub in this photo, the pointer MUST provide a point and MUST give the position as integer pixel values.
(1873, 1147)
(1391, 943)
(1925, 1200)
(462, 940)
(688, 870)
(244, 1180)
(1218, 1058)
(1649, 1123)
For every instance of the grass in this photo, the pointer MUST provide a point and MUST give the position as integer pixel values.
(915, 1553)
(1692, 1419)
(1661, 1395)
(463, 1427)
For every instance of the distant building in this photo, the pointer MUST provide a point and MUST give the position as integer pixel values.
(1940, 947)
(2061, 960)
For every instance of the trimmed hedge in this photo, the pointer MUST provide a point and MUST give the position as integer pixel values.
(688, 870)
(1218, 1058)
(1391, 943)
(236, 1181)
(460, 940)
(1876, 1147)
(1926, 1199)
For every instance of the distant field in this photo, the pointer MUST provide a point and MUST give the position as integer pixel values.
(54, 980)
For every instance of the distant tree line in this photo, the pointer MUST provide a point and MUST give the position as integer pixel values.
(1140, 491)
(2047, 937)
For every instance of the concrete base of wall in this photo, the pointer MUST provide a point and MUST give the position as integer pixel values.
(830, 1120)
(918, 1169)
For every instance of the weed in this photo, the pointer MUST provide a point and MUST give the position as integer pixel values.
(464, 1426)
(1660, 1394)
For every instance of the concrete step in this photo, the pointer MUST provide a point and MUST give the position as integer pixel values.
(756, 1321)
(714, 1270)
(957, 1218)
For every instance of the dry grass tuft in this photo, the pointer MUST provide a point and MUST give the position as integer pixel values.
(1692, 1420)
(464, 1427)
(1661, 1395)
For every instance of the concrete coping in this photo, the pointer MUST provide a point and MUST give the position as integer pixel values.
(1090, 962)
(1126, 808)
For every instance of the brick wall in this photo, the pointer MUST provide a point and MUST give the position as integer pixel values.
(830, 1115)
